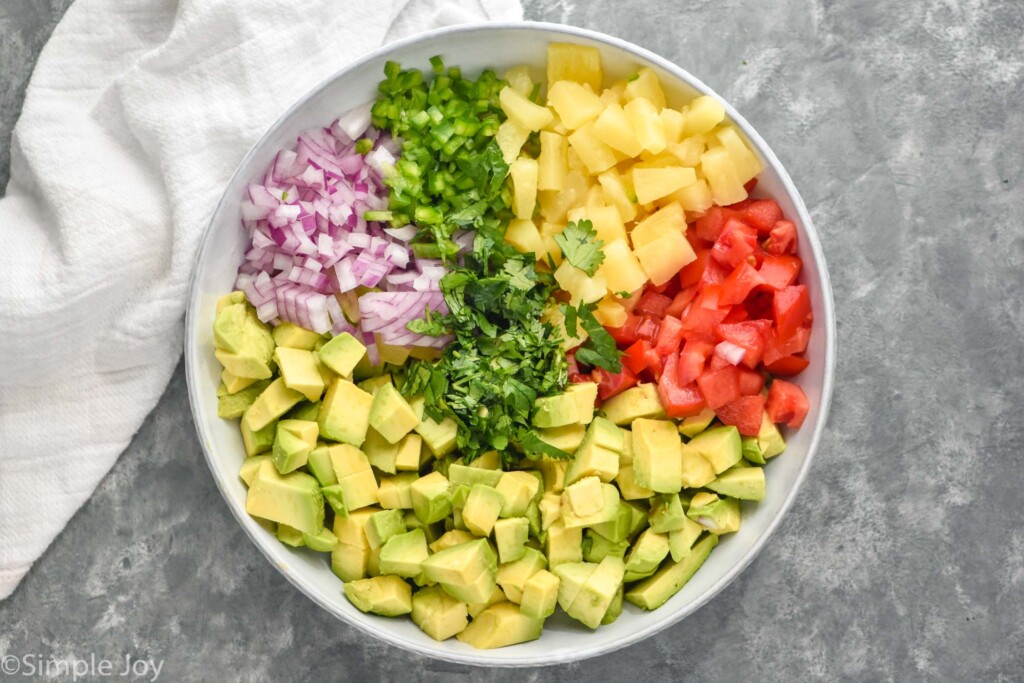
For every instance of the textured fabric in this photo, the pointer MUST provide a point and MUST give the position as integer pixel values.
(136, 116)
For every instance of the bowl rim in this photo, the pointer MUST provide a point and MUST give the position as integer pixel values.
(826, 317)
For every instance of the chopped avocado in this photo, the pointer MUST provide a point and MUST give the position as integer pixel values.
(720, 446)
(496, 596)
(259, 441)
(304, 410)
(512, 576)
(430, 498)
(647, 553)
(596, 547)
(533, 519)
(350, 562)
(244, 343)
(438, 437)
(655, 591)
(345, 413)
(235, 297)
(273, 402)
(342, 353)
(717, 515)
(323, 542)
(751, 450)
(410, 448)
(293, 443)
(450, 538)
(572, 576)
(564, 544)
(294, 337)
(351, 529)
(381, 526)
(356, 483)
(388, 596)
(639, 401)
(396, 492)
(614, 609)
(681, 540)
(391, 415)
(299, 372)
(618, 528)
(249, 466)
(510, 536)
(230, 406)
(555, 411)
(483, 505)
(459, 494)
(585, 497)
(373, 384)
(666, 513)
(293, 499)
(697, 471)
(626, 456)
(403, 554)
(592, 459)
(597, 593)
(382, 454)
(628, 487)
(550, 508)
(695, 424)
(656, 462)
(438, 614)
(553, 472)
(517, 489)
(769, 438)
(464, 474)
(501, 625)
(490, 460)
(540, 595)
(567, 438)
(290, 536)
(467, 571)
(746, 483)
(585, 394)
(319, 464)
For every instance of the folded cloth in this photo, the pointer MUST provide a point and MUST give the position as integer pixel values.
(135, 118)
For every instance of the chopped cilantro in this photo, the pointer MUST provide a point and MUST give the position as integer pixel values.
(581, 247)
(599, 349)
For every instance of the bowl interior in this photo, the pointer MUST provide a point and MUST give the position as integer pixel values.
(474, 48)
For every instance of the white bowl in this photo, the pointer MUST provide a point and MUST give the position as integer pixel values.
(475, 47)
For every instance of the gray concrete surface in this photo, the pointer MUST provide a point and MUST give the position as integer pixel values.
(903, 557)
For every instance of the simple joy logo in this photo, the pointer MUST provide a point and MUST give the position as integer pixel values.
(75, 668)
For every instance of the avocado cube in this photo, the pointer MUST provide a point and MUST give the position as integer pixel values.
(342, 353)
(351, 530)
(450, 538)
(349, 562)
(550, 508)
(496, 596)
(681, 540)
(490, 460)
(751, 450)
(567, 438)
(395, 493)
(628, 487)
(345, 413)
(234, 384)
(517, 489)
(293, 499)
(373, 384)
(720, 446)
(501, 625)
(464, 474)
(656, 461)
(356, 483)
(666, 513)
(695, 424)
(289, 536)
(618, 528)
(273, 402)
(292, 336)
(608, 511)
(626, 454)
(585, 394)
(540, 595)
(244, 344)
(553, 472)
(596, 547)
(585, 497)
(244, 364)
(438, 614)
(717, 515)
(304, 410)
(235, 297)
(596, 595)
(320, 465)
(259, 441)
(294, 441)
(382, 454)
(555, 411)
(512, 576)
(533, 520)
(299, 372)
(745, 483)
(391, 415)
(655, 591)
(483, 506)
(605, 434)
(459, 494)
(572, 576)
(595, 456)
(510, 536)
(249, 466)
(430, 498)
(380, 526)
(438, 437)
(564, 544)
(647, 553)
(403, 554)
(769, 438)
(615, 608)
(407, 456)
(635, 402)
(388, 596)
(466, 571)
(323, 542)
(697, 472)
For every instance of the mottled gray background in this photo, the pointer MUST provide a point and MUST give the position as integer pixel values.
(903, 557)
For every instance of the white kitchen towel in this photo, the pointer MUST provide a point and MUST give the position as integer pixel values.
(136, 116)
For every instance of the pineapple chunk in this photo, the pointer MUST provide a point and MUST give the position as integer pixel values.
(524, 112)
(511, 137)
(610, 96)
(646, 85)
(518, 78)
(555, 205)
(578, 63)
(661, 258)
(673, 121)
(718, 169)
(621, 269)
(553, 160)
(688, 151)
(654, 183)
(613, 129)
(647, 124)
(617, 194)
(608, 223)
(703, 114)
(595, 200)
(575, 104)
(524, 186)
(579, 286)
(669, 218)
(747, 165)
(610, 313)
(525, 237)
(551, 248)
(594, 154)
(696, 197)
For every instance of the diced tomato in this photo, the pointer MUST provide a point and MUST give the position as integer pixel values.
(751, 382)
(709, 297)
(790, 308)
(709, 226)
(744, 413)
(787, 403)
(678, 400)
(718, 362)
(609, 384)
(737, 315)
(696, 242)
(779, 271)
(681, 300)
(699, 322)
(670, 336)
(714, 273)
(720, 386)
(782, 239)
(647, 328)
(762, 214)
(739, 284)
(787, 366)
(668, 288)
(579, 378)
(759, 305)
(692, 358)
(735, 245)
(750, 185)
(634, 357)
(779, 347)
(652, 303)
(692, 273)
(655, 363)
(752, 335)
(626, 335)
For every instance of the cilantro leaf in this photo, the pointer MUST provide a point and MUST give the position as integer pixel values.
(521, 275)
(535, 447)
(581, 247)
(599, 350)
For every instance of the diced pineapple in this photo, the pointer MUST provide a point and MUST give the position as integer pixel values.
(555, 204)
(673, 121)
(524, 186)
(646, 85)
(688, 151)
(696, 197)
(595, 200)
(575, 104)
(524, 112)
(610, 313)
(607, 222)
(553, 161)
(610, 96)
(524, 236)
(663, 160)
(551, 248)
(647, 124)
(669, 218)
(654, 183)
(703, 114)
(747, 165)
(579, 286)
(621, 269)
(662, 257)
(578, 63)
(511, 137)
(518, 78)
(594, 154)
(617, 194)
(718, 169)
(613, 129)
